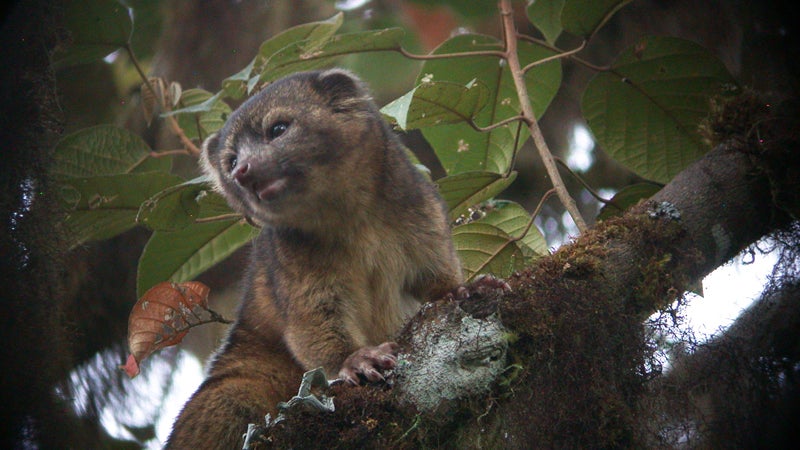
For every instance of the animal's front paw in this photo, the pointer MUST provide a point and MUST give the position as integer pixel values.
(483, 286)
(367, 363)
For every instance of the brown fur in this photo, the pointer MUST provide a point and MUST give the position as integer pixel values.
(351, 244)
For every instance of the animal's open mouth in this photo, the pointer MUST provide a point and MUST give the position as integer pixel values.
(273, 189)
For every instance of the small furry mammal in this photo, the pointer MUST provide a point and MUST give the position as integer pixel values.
(354, 237)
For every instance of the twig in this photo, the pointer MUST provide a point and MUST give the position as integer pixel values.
(510, 38)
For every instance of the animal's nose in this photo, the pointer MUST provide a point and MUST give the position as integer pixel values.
(242, 173)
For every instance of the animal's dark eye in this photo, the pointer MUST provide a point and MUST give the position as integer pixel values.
(232, 160)
(277, 129)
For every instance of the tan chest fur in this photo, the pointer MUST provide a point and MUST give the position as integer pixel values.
(366, 277)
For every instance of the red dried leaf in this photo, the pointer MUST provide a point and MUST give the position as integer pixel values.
(163, 316)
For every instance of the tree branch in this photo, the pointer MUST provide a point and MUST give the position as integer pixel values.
(578, 354)
(509, 32)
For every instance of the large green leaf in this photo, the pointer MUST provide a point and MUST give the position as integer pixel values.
(514, 220)
(308, 54)
(459, 147)
(103, 206)
(645, 111)
(176, 207)
(236, 86)
(585, 17)
(484, 248)
(436, 103)
(96, 28)
(104, 150)
(546, 16)
(183, 254)
(464, 190)
(201, 113)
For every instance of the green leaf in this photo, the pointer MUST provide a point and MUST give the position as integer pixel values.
(176, 207)
(483, 248)
(305, 56)
(468, 189)
(196, 101)
(546, 16)
(183, 254)
(646, 110)
(96, 28)
(627, 197)
(514, 219)
(212, 204)
(323, 30)
(201, 113)
(437, 103)
(103, 206)
(236, 86)
(585, 17)
(459, 147)
(104, 150)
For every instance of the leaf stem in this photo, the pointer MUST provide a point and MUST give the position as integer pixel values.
(516, 149)
(565, 54)
(570, 54)
(510, 38)
(217, 317)
(583, 182)
(534, 214)
(541, 202)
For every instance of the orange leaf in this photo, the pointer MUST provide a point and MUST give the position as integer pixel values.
(163, 316)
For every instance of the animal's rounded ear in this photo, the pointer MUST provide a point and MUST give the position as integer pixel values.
(211, 144)
(344, 90)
